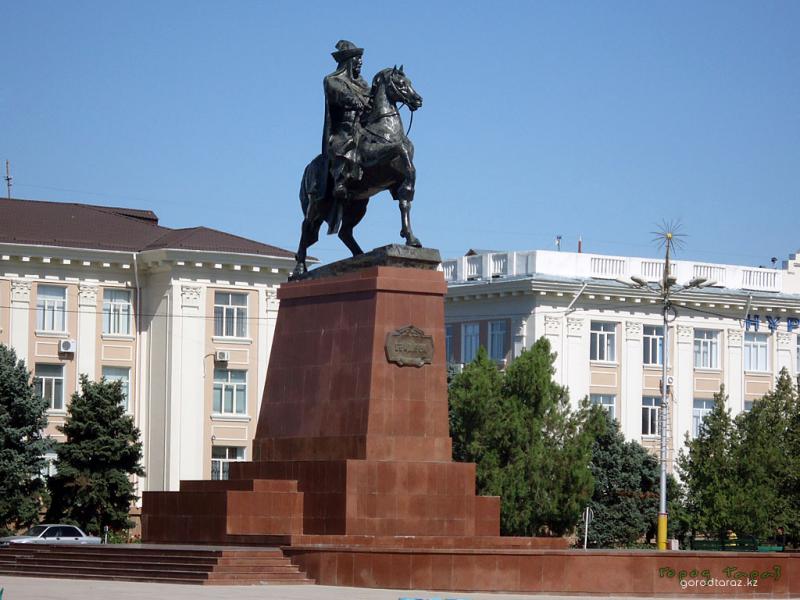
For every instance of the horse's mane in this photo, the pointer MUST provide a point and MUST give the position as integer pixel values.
(379, 78)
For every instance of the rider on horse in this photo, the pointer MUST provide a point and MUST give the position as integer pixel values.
(346, 98)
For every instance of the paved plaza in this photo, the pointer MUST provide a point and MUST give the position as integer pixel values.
(31, 588)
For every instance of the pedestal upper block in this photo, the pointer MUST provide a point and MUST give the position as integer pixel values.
(332, 394)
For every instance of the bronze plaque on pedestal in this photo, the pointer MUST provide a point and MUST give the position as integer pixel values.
(409, 346)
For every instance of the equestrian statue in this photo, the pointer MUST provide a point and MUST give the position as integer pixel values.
(365, 150)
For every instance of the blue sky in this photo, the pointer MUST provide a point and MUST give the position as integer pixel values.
(592, 119)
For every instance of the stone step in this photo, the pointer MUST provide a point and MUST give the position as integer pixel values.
(118, 553)
(234, 579)
(249, 485)
(148, 579)
(209, 562)
(260, 576)
(215, 566)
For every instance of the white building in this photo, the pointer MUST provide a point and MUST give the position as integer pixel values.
(608, 334)
(184, 317)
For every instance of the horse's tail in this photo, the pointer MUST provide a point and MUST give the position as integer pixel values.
(312, 183)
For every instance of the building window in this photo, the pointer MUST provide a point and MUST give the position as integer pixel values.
(221, 459)
(497, 340)
(651, 406)
(448, 343)
(117, 312)
(470, 340)
(49, 384)
(230, 392)
(51, 308)
(49, 469)
(607, 401)
(748, 405)
(797, 355)
(756, 356)
(706, 349)
(230, 314)
(604, 342)
(699, 411)
(653, 349)
(122, 375)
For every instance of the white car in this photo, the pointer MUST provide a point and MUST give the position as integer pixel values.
(51, 534)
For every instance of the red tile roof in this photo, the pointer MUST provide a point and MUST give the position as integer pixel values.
(72, 225)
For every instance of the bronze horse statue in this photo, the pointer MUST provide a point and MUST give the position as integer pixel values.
(385, 157)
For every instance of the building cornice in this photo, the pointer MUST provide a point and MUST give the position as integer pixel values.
(158, 259)
(611, 291)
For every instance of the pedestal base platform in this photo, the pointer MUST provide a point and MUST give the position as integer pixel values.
(608, 573)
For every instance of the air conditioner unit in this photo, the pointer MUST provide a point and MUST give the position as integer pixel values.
(67, 346)
(222, 356)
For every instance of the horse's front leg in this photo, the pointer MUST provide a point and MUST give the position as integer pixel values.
(405, 194)
(405, 219)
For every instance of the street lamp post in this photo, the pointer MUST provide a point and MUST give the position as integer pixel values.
(666, 287)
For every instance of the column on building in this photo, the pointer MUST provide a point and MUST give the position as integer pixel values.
(187, 403)
(576, 369)
(519, 341)
(630, 417)
(20, 318)
(683, 384)
(552, 330)
(734, 371)
(87, 330)
(784, 342)
(266, 332)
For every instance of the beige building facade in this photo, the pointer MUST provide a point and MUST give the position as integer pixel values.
(184, 318)
(739, 330)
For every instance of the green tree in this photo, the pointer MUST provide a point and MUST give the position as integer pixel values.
(22, 444)
(709, 473)
(765, 463)
(679, 524)
(473, 394)
(102, 451)
(625, 499)
(531, 449)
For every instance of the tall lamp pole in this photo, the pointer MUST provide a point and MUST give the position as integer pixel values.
(666, 287)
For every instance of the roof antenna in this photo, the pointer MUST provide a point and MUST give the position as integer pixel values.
(9, 178)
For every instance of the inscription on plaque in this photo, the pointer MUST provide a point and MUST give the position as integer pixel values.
(409, 346)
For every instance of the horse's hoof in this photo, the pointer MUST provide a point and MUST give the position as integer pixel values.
(412, 240)
(299, 272)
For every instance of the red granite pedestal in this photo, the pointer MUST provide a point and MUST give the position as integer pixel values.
(352, 472)
(348, 443)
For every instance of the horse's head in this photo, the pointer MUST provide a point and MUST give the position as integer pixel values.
(398, 87)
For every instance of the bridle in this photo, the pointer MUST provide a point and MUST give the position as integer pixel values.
(395, 113)
(402, 102)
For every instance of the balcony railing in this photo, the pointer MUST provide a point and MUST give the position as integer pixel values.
(494, 265)
(603, 266)
(653, 270)
(710, 273)
(760, 279)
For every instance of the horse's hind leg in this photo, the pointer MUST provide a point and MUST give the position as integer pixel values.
(309, 234)
(354, 212)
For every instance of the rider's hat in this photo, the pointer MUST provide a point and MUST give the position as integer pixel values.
(346, 50)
